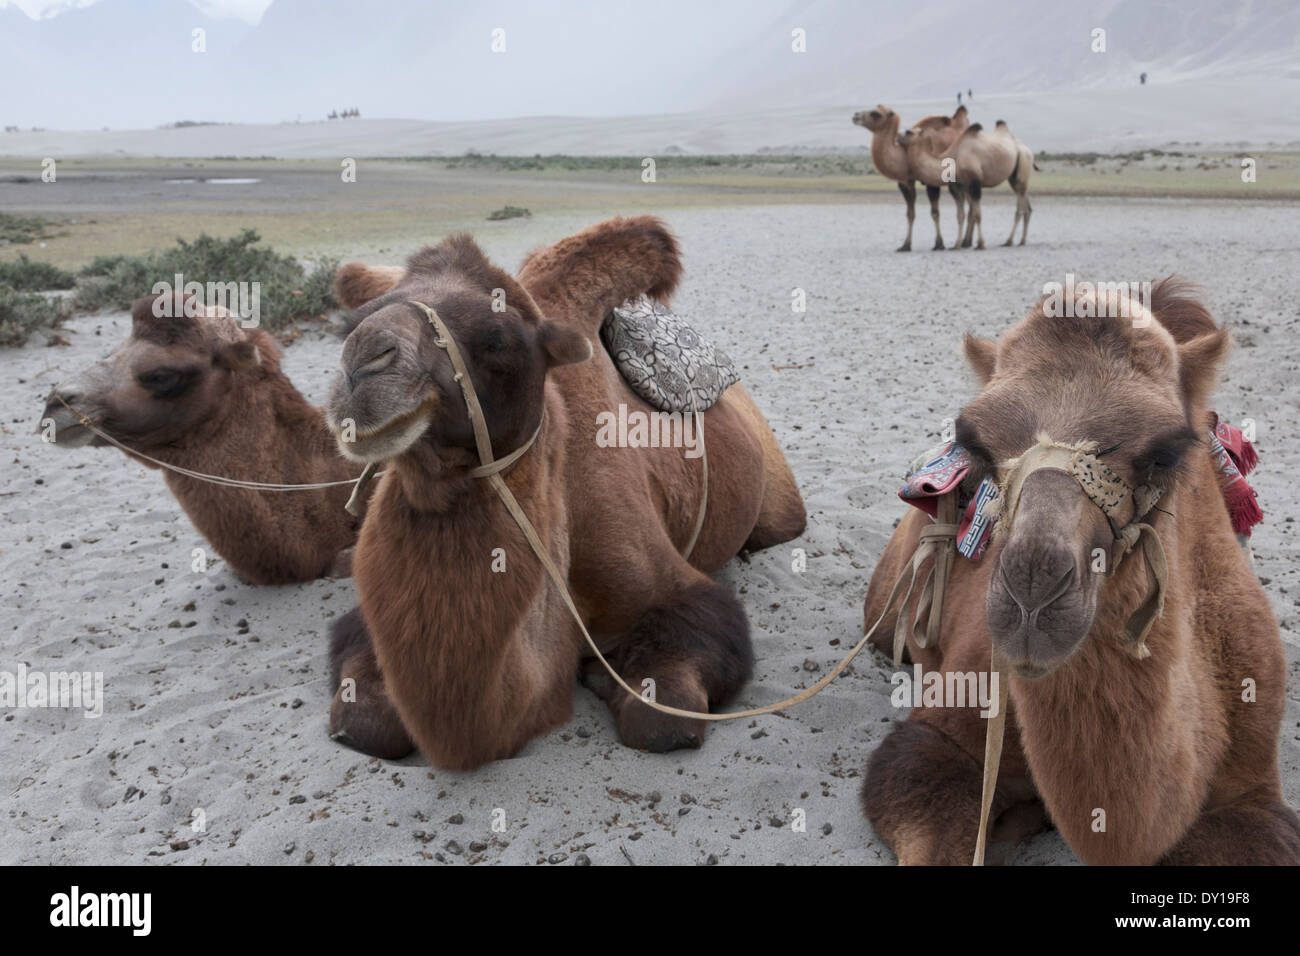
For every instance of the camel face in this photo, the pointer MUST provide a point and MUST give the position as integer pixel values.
(1091, 379)
(397, 387)
(166, 379)
(873, 120)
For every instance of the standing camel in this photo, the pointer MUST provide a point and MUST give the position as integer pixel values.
(975, 161)
(470, 643)
(892, 162)
(192, 388)
(1142, 746)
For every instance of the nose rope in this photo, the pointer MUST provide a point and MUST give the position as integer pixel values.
(1124, 507)
(198, 475)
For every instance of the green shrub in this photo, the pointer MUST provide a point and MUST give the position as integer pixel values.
(22, 313)
(27, 276)
(287, 290)
(23, 229)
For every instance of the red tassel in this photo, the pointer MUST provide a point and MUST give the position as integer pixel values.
(1243, 509)
(1248, 458)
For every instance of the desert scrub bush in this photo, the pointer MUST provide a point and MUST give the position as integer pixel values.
(25, 275)
(287, 291)
(22, 313)
(508, 212)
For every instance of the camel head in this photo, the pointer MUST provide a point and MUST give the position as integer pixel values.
(173, 373)
(1136, 386)
(875, 120)
(397, 390)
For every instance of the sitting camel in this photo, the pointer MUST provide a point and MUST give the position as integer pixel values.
(472, 646)
(1143, 748)
(976, 160)
(195, 390)
(892, 162)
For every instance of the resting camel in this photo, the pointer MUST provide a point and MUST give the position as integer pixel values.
(892, 162)
(976, 160)
(197, 391)
(1140, 753)
(475, 650)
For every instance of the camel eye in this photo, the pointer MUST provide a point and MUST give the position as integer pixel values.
(165, 382)
(1165, 455)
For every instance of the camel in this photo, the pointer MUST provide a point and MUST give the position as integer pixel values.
(474, 650)
(892, 162)
(974, 161)
(1140, 752)
(196, 390)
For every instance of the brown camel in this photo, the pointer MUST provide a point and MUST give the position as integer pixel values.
(195, 390)
(892, 162)
(1141, 752)
(476, 650)
(974, 161)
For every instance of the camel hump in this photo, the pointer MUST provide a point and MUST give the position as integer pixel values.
(1001, 124)
(973, 129)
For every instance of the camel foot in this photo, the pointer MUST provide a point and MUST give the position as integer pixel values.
(1022, 242)
(966, 243)
(905, 247)
(1007, 243)
(979, 245)
(938, 244)
(691, 653)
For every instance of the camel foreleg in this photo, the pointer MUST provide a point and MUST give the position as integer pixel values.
(933, 193)
(959, 197)
(692, 652)
(1257, 829)
(362, 714)
(1024, 234)
(909, 194)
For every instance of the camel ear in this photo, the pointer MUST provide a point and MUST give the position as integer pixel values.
(562, 345)
(982, 354)
(357, 283)
(1199, 360)
(238, 356)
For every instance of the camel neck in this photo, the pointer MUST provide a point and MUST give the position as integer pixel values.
(889, 158)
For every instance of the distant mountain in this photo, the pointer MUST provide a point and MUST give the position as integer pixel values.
(129, 64)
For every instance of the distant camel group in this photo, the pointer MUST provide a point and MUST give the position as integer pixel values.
(949, 151)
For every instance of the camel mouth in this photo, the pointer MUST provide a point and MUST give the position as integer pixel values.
(386, 440)
(69, 432)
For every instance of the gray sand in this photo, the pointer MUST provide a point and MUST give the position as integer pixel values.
(201, 718)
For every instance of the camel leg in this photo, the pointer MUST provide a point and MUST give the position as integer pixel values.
(958, 197)
(909, 194)
(1256, 830)
(697, 651)
(921, 793)
(972, 205)
(1014, 222)
(1024, 234)
(976, 214)
(362, 714)
(933, 192)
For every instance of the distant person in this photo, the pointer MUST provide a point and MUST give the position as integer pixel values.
(1143, 79)
(969, 96)
(959, 97)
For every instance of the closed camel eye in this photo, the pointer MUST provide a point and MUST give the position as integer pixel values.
(378, 363)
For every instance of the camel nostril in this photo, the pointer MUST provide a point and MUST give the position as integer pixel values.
(1029, 594)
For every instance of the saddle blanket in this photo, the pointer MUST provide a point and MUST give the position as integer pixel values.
(663, 359)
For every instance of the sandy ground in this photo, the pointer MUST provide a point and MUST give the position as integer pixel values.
(95, 571)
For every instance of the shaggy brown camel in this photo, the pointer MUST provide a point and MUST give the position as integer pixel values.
(197, 391)
(892, 162)
(1141, 752)
(976, 160)
(476, 650)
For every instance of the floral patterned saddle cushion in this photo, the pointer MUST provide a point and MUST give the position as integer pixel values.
(663, 359)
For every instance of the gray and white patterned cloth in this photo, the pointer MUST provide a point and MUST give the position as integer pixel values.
(663, 359)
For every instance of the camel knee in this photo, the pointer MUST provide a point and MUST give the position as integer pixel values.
(362, 715)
